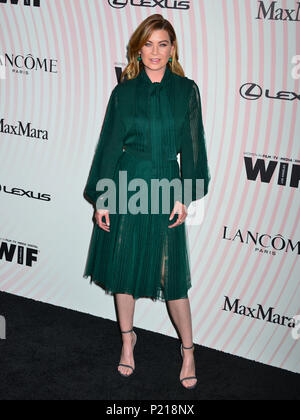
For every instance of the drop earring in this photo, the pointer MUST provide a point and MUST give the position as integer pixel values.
(139, 58)
(170, 60)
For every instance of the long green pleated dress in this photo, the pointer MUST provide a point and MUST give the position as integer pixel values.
(146, 125)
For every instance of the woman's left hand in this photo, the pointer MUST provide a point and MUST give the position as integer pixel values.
(181, 210)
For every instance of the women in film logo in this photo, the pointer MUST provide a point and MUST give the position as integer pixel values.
(35, 3)
(18, 252)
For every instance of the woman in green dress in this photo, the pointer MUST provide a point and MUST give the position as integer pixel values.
(153, 114)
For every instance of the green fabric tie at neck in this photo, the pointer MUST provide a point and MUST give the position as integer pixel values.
(161, 130)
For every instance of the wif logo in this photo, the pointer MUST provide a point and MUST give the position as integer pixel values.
(35, 3)
(22, 254)
(287, 173)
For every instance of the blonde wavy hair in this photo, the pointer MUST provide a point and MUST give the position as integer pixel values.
(140, 37)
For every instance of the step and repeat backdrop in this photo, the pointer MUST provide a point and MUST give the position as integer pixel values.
(59, 61)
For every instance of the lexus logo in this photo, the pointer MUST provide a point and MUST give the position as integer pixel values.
(252, 92)
(118, 4)
(164, 4)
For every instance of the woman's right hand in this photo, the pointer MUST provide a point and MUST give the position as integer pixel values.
(99, 216)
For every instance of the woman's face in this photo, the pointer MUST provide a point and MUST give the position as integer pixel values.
(157, 50)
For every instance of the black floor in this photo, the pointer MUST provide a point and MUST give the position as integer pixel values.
(52, 353)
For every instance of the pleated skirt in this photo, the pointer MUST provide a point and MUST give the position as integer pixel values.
(141, 255)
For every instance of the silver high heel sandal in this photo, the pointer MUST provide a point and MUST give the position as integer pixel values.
(122, 364)
(188, 377)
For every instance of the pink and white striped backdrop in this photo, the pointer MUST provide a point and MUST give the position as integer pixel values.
(59, 61)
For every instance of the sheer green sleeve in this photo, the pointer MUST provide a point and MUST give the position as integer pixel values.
(108, 150)
(193, 154)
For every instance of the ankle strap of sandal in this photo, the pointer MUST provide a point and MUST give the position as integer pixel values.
(124, 332)
(188, 347)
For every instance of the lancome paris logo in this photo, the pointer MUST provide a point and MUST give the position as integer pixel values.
(272, 12)
(259, 313)
(264, 243)
(164, 4)
(35, 3)
(18, 252)
(23, 64)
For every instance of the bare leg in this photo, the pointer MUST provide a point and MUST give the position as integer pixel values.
(125, 306)
(181, 313)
